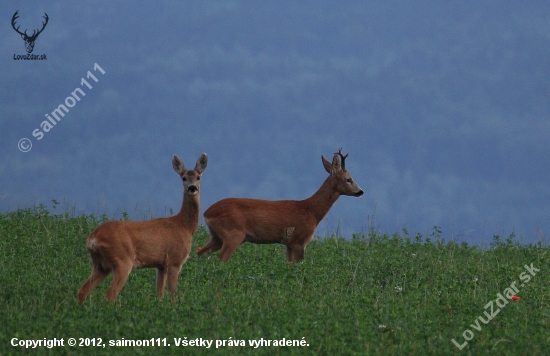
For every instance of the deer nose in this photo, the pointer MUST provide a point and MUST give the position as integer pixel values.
(358, 194)
(192, 189)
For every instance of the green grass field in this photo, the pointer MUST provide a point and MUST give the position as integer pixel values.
(373, 295)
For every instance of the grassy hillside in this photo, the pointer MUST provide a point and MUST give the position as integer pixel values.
(373, 295)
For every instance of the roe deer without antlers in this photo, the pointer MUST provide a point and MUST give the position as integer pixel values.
(292, 223)
(164, 244)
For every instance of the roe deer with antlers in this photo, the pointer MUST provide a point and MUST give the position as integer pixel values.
(164, 244)
(292, 223)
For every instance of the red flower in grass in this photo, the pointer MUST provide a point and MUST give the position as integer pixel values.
(199, 248)
(515, 297)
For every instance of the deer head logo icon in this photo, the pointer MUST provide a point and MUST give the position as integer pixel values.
(29, 40)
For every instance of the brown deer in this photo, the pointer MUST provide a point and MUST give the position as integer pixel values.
(292, 223)
(164, 244)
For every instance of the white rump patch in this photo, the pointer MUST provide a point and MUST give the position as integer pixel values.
(91, 243)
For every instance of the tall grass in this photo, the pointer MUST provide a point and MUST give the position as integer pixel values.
(371, 295)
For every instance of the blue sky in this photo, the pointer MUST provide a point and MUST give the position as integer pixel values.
(443, 108)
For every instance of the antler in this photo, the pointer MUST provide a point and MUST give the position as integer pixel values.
(15, 17)
(343, 157)
(34, 33)
(43, 24)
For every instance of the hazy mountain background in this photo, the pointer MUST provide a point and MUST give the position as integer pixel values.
(443, 108)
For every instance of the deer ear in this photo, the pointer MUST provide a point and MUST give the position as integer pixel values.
(327, 165)
(178, 165)
(201, 163)
(336, 164)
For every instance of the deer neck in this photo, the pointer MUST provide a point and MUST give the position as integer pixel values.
(188, 215)
(321, 202)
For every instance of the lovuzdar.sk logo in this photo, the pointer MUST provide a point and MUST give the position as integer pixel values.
(29, 40)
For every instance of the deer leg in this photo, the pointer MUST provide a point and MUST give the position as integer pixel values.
(230, 243)
(299, 253)
(288, 253)
(295, 253)
(120, 275)
(95, 278)
(214, 244)
(161, 281)
(173, 273)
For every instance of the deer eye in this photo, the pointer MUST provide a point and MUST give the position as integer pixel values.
(199, 178)
(349, 180)
(183, 179)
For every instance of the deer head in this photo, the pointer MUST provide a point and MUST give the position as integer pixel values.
(190, 178)
(341, 179)
(29, 40)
